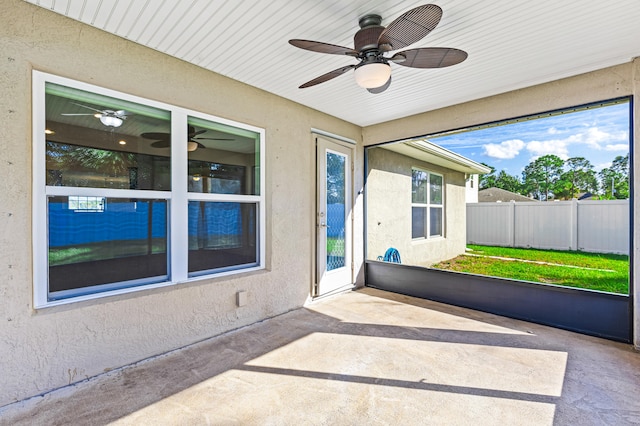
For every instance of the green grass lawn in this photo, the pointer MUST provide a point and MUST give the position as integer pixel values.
(335, 246)
(595, 271)
(103, 250)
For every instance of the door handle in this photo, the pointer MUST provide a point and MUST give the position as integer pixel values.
(324, 225)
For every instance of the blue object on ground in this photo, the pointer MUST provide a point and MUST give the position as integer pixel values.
(391, 255)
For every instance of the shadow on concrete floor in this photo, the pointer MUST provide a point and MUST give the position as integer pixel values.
(364, 357)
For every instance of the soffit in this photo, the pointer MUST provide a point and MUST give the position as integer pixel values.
(428, 152)
(511, 45)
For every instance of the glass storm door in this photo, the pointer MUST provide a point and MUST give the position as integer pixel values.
(333, 218)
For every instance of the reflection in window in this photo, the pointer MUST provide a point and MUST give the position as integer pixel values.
(72, 165)
(435, 189)
(86, 204)
(216, 178)
(435, 221)
(223, 159)
(426, 212)
(105, 199)
(336, 219)
(104, 142)
(124, 245)
(221, 235)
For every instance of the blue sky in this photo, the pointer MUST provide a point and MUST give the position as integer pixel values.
(598, 134)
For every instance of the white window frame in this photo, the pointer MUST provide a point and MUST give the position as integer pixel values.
(177, 198)
(428, 206)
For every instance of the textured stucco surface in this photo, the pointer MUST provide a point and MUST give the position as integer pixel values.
(389, 210)
(48, 348)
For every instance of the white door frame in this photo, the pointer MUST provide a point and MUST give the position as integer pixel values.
(328, 282)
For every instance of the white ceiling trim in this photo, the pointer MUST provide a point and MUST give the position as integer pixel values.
(511, 45)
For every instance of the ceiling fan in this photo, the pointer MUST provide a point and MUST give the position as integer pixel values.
(164, 139)
(372, 41)
(107, 117)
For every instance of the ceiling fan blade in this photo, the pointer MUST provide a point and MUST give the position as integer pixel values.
(161, 144)
(410, 27)
(192, 131)
(429, 57)
(320, 47)
(157, 135)
(212, 139)
(328, 76)
(382, 88)
(76, 114)
(88, 107)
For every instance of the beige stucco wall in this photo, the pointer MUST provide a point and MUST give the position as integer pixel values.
(389, 210)
(608, 83)
(48, 348)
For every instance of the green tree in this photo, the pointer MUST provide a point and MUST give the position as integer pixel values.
(578, 177)
(335, 179)
(488, 180)
(508, 182)
(615, 179)
(541, 176)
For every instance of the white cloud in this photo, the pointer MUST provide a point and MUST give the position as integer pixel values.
(505, 150)
(555, 147)
(617, 147)
(552, 131)
(593, 137)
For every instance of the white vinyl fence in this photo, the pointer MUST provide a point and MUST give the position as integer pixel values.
(600, 226)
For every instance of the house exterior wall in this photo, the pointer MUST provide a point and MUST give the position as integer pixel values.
(472, 188)
(388, 188)
(608, 83)
(48, 348)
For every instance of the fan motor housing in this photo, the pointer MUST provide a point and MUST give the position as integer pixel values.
(367, 37)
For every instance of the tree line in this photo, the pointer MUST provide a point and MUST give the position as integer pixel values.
(551, 178)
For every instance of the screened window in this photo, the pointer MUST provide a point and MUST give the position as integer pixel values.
(130, 193)
(426, 204)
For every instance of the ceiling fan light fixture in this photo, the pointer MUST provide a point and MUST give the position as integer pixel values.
(372, 75)
(192, 146)
(111, 121)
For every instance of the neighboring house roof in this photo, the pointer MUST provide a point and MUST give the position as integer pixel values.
(492, 195)
(585, 196)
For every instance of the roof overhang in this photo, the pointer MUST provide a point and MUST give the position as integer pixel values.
(511, 45)
(428, 152)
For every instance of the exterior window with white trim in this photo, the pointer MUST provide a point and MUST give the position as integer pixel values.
(224, 196)
(427, 204)
(131, 193)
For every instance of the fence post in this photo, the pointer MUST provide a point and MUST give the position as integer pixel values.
(573, 245)
(512, 223)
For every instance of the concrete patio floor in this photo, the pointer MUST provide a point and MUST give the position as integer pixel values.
(361, 358)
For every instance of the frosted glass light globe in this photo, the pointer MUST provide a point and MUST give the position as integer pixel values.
(370, 76)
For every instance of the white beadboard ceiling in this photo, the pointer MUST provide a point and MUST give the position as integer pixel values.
(511, 44)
